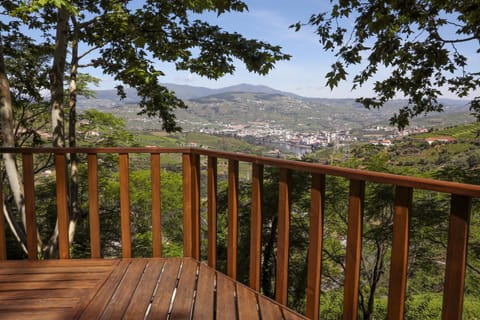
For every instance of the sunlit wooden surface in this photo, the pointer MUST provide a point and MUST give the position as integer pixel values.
(154, 288)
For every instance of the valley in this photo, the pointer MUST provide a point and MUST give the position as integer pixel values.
(283, 122)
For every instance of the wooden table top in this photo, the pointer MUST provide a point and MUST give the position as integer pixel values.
(153, 288)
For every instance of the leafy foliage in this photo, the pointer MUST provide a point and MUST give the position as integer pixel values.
(133, 38)
(423, 46)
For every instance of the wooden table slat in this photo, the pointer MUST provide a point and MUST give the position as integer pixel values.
(38, 302)
(182, 305)
(167, 284)
(268, 309)
(121, 297)
(48, 270)
(33, 285)
(204, 302)
(58, 314)
(79, 264)
(145, 290)
(101, 299)
(51, 277)
(226, 308)
(290, 315)
(50, 293)
(247, 303)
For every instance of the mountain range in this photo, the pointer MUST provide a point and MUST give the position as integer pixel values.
(184, 92)
(246, 103)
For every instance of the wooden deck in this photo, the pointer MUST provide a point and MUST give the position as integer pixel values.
(154, 288)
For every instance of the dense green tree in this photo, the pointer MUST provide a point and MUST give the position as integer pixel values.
(131, 39)
(425, 47)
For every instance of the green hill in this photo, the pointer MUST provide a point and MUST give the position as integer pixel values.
(458, 160)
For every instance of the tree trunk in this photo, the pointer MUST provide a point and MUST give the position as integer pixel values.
(74, 209)
(268, 266)
(376, 275)
(8, 140)
(57, 76)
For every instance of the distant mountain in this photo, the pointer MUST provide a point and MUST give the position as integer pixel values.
(245, 103)
(109, 98)
(191, 92)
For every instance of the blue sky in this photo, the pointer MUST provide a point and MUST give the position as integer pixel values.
(268, 20)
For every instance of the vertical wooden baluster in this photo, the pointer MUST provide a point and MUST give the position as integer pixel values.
(317, 203)
(156, 205)
(31, 222)
(232, 218)
(187, 206)
(196, 206)
(399, 258)
(456, 257)
(354, 249)
(256, 226)
(284, 204)
(3, 243)
(93, 213)
(125, 206)
(62, 206)
(212, 212)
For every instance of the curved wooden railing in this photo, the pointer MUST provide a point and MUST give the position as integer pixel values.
(461, 198)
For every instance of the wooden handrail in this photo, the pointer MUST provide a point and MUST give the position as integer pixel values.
(461, 199)
(355, 174)
(469, 190)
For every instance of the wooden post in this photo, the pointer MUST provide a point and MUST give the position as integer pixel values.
(125, 206)
(256, 226)
(62, 206)
(31, 222)
(284, 204)
(187, 206)
(212, 212)
(93, 212)
(456, 257)
(317, 204)
(195, 162)
(156, 205)
(399, 259)
(232, 219)
(354, 249)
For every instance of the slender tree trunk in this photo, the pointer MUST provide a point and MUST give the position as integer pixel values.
(268, 266)
(72, 102)
(57, 76)
(375, 277)
(8, 140)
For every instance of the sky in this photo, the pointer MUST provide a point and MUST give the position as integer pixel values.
(269, 21)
